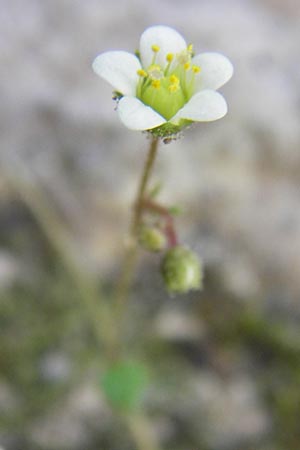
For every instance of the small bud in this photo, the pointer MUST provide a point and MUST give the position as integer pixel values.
(182, 270)
(152, 239)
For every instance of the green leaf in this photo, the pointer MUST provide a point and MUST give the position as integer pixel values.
(124, 384)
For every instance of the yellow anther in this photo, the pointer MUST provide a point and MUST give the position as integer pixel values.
(196, 69)
(142, 73)
(155, 48)
(173, 87)
(174, 83)
(174, 79)
(190, 48)
(187, 66)
(155, 84)
(170, 57)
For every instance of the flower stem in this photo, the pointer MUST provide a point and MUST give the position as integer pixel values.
(170, 231)
(129, 264)
(142, 432)
(96, 310)
(138, 209)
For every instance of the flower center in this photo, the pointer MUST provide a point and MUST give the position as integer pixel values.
(168, 88)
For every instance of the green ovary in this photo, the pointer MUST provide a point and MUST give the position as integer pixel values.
(163, 101)
(167, 91)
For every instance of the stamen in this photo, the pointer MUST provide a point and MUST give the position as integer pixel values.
(174, 84)
(173, 88)
(196, 69)
(155, 84)
(190, 48)
(174, 79)
(155, 48)
(187, 66)
(169, 58)
(142, 73)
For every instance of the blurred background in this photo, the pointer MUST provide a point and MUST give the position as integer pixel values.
(225, 363)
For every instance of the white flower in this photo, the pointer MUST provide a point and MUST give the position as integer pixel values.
(165, 86)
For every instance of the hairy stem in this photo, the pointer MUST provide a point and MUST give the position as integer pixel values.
(100, 321)
(129, 264)
(87, 287)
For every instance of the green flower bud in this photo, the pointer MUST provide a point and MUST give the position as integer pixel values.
(152, 239)
(182, 270)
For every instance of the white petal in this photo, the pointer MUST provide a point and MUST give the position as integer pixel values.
(119, 69)
(216, 70)
(137, 116)
(204, 106)
(169, 41)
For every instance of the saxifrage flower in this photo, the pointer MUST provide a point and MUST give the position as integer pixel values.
(164, 86)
